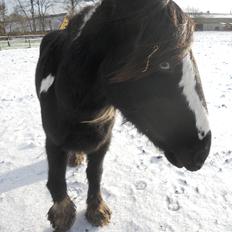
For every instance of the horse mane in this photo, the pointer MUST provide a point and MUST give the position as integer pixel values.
(164, 33)
(169, 40)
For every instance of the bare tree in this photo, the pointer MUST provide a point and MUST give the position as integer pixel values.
(35, 12)
(17, 23)
(3, 12)
(42, 8)
(69, 5)
(24, 8)
(32, 3)
(192, 10)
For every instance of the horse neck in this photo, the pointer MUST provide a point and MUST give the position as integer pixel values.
(86, 54)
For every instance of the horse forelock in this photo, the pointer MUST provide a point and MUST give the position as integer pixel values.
(174, 42)
(171, 40)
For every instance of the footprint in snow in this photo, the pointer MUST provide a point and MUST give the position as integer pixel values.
(166, 228)
(228, 161)
(141, 165)
(141, 148)
(76, 189)
(227, 198)
(197, 190)
(227, 152)
(156, 159)
(222, 106)
(140, 185)
(183, 182)
(179, 190)
(172, 204)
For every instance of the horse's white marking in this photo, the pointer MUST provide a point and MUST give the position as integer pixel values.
(46, 83)
(188, 83)
(88, 15)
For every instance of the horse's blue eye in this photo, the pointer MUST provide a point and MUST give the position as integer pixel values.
(165, 66)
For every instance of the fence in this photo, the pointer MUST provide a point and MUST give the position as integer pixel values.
(22, 41)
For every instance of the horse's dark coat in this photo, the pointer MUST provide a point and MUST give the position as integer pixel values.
(111, 62)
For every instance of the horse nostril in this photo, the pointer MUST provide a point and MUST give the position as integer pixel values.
(201, 135)
(202, 151)
(207, 143)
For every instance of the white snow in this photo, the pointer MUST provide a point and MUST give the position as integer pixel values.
(144, 191)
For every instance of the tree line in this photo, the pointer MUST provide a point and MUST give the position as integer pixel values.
(30, 15)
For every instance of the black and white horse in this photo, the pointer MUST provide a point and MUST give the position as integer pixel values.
(134, 56)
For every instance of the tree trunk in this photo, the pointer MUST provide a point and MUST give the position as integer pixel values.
(25, 13)
(33, 15)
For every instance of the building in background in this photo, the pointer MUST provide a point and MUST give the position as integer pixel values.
(204, 22)
(212, 22)
(22, 26)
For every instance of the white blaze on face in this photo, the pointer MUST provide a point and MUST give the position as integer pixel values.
(188, 83)
(46, 83)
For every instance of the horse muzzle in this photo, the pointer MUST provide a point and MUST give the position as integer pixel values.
(192, 159)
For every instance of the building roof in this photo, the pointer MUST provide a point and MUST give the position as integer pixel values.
(211, 18)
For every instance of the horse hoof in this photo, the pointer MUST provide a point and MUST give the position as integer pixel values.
(98, 216)
(62, 215)
(76, 159)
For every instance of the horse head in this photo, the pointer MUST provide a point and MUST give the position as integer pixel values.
(158, 87)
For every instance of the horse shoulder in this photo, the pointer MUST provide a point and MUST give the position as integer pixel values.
(50, 53)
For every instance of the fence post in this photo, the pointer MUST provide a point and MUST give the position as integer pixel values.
(8, 41)
(29, 40)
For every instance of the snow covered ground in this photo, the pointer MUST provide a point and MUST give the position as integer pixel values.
(145, 192)
(21, 42)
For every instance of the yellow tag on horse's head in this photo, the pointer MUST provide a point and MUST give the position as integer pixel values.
(64, 24)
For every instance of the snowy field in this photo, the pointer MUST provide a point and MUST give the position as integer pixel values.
(145, 192)
(21, 42)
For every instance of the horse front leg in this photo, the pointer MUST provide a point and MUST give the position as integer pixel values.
(98, 213)
(62, 214)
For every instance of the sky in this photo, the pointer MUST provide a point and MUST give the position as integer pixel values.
(214, 6)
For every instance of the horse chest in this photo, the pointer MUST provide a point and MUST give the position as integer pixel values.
(65, 128)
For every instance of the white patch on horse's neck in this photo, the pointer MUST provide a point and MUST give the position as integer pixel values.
(188, 83)
(88, 15)
(46, 83)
